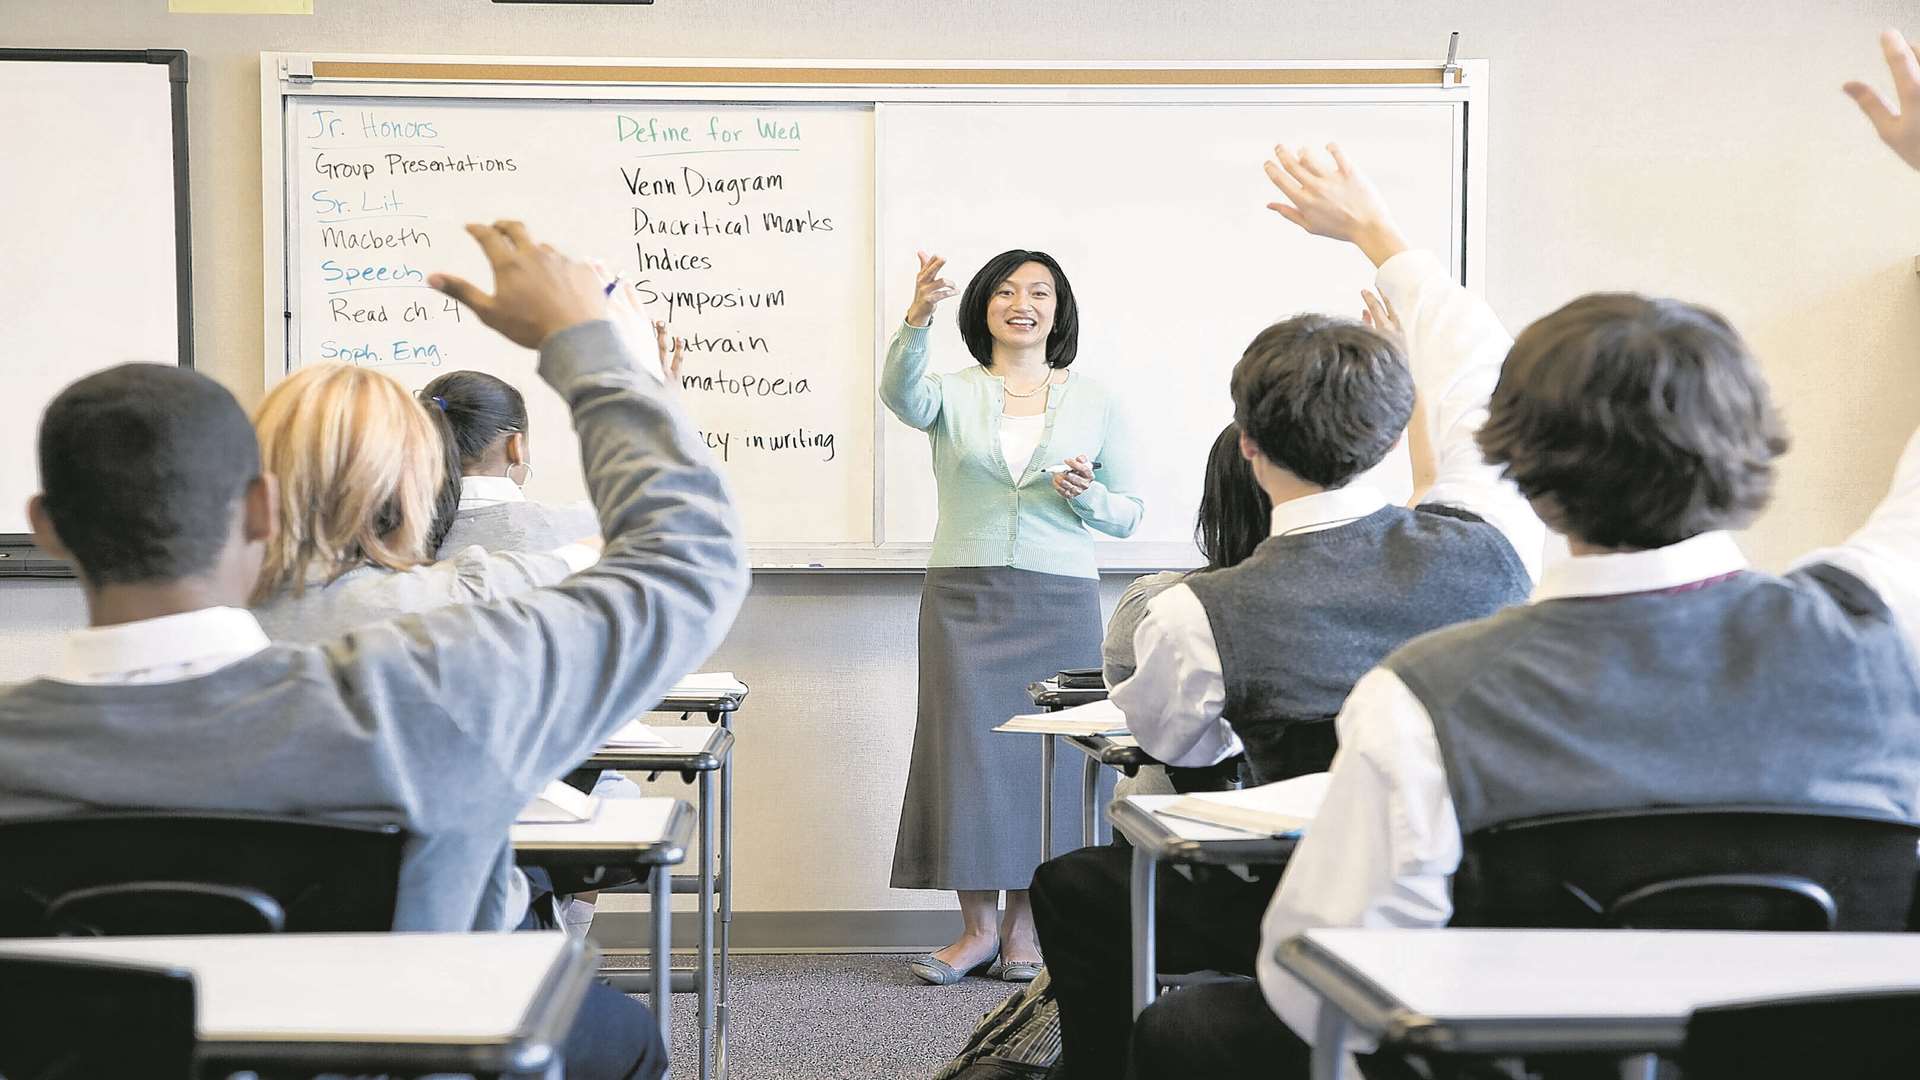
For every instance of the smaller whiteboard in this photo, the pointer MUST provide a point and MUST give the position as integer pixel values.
(93, 204)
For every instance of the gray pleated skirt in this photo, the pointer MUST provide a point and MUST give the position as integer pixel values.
(971, 819)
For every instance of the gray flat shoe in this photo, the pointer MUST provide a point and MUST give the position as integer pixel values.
(1020, 973)
(934, 971)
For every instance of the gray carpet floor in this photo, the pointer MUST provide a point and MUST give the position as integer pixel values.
(835, 1017)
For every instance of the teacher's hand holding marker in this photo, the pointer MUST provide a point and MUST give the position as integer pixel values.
(929, 288)
(1072, 477)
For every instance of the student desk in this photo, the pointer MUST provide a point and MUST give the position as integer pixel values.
(364, 1003)
(1049, 696)
(1156, 840)
(1620, 992)
(697, 754)
(646, 836)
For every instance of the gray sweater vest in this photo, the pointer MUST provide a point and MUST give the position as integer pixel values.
(1757, 689)
(1307, 614)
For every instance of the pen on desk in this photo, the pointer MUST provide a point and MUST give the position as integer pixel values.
(1063, 467)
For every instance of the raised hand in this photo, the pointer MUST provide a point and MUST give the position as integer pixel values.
(537, 290)
(1379, 314)
(1077, 478)
(1333, 199)
(670, 361)
(1899, 130)
(929, 288)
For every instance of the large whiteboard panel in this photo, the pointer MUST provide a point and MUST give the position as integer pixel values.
(88, 212)
(747, 227)
(1157, 214)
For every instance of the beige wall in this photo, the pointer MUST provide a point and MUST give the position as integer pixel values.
(1702, 149)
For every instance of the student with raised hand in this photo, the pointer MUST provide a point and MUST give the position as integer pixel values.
(1653, 668)
(1258, 657)
(445, 722)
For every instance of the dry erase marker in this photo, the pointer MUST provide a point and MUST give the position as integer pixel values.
(1064, 467)
(612, 285)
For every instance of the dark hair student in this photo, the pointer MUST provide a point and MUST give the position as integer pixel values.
(1235, 515)
(141, 470)
(480, 410)
(1063, 340)
(1570, 424)
(1323, 398)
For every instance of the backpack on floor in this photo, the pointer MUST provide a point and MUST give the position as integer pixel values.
(1019, 1039)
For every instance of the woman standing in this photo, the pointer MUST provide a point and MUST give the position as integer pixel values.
(1012, 592)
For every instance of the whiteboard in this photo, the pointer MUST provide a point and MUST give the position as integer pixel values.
(747, 228)
(93, 207)
(1157, 213)
(1144, 180)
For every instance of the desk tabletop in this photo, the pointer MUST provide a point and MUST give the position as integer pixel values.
(1525, 991)
(447, 1001)
(711, 692)
(643, 832)
(1180, 841)
(1119, 751)
(694, 748)
(1048, 695)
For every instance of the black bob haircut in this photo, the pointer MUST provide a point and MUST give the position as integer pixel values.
(1635, 423)
(1063, 340)
(142, 467)
(1323, 398)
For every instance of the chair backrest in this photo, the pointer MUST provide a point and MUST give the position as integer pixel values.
(74, 1020)
(1691, 868)
(1868, 1036)
(166, 872)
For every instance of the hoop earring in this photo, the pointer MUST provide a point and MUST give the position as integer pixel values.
(526, 472)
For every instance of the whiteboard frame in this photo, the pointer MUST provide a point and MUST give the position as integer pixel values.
(19, 556)
(289, 75)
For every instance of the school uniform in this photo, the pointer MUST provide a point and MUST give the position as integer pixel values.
(1251, 658)
(496, 515)
(1674, 676)
(445, 722)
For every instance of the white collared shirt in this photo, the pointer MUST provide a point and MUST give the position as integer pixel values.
(1175, 698)
(478, 491)
(1386, 842)
(165, 649)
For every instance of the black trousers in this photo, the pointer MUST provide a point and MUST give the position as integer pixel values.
(614, 1037)
(1225, 1031)
(1081, 908)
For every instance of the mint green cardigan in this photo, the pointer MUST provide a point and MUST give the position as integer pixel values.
(985, 518)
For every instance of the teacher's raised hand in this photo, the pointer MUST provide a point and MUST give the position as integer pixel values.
(1333, 199)
(1899, 130)
(929, 288)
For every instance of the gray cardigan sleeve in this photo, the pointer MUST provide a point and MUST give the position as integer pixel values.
(538, 681)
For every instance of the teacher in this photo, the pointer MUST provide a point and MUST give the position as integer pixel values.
(1012, 593)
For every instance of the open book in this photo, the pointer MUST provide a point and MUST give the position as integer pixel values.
(1093, 718)
(1285, 808)
(558, 804)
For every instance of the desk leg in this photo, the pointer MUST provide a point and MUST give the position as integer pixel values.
(726, 899)
(1046, 797)
(1145, 870)
(661, 997)
(703, 976)
(1089, 795)
(1330, 1044)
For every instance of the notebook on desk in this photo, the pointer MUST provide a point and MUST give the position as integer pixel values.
(1093, 718)
(634, 735)
(1285, 808)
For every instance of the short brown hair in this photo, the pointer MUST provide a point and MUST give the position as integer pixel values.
(1634, 422)
(1323, 398)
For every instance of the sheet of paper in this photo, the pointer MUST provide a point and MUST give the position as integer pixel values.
(708, 682)
(1186, 828)
(634, 735)
(1278, 809)
(1093, 718)
(558, 804)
